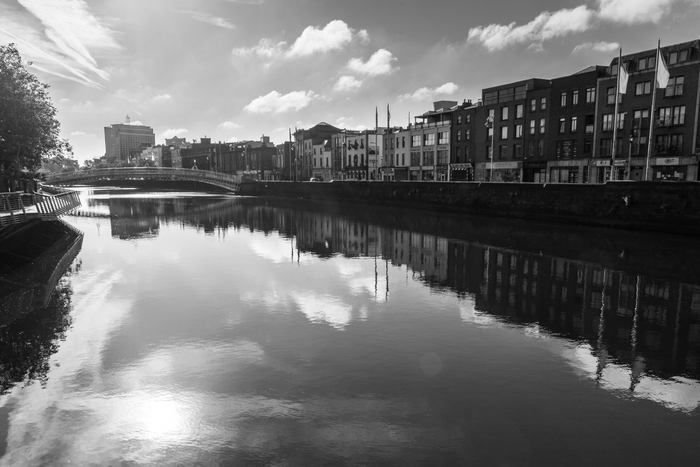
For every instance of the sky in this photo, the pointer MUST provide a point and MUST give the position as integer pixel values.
(236, 70)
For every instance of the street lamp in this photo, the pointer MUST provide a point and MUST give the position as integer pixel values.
(629, 158)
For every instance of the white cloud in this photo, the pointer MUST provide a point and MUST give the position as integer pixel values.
(209, 19)
(232, 140)
(347, 83)
(634, 11)
(171, 132)
(276, 102)
(266, 48)
(378, 64)
(426, 93)
(597, 47)
(70, 32)
(161, 98)
(544, 27)
(229, 126)
(332, 37)
(77, 133)
(136, 122)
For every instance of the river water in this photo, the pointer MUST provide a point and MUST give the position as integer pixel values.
(204, 329)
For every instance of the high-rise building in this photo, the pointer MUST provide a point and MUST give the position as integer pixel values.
(121, 139)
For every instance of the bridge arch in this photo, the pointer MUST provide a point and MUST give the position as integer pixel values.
(225, 181)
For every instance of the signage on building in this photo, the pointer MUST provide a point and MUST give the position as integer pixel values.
(565, 163)
(620, 162)
(502, 165)
(668, 161)
(464, 166)
(603, 163)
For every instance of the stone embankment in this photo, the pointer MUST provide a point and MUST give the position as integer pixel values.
(670, 207)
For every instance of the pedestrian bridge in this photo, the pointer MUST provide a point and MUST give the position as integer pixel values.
(220, 180)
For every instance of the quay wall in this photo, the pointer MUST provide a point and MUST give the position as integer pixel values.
(670, 207)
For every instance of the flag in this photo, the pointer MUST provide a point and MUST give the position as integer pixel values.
(624, 78)
(388, 117)
(489, 122)
(662, 74)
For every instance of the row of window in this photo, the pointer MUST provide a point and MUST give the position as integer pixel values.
(564, 97)
(665, 144)
(667, 116)
(428, 158)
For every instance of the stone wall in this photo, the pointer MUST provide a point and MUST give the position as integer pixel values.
(672, 207)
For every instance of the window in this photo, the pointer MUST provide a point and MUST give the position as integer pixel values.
(490, 98)
(610, 99)
(533, 105)
(606, 147)
(642, 64)
(518, 151)
(590, 119)
(533, 124)
(682, 55)
(443, 137)
(669, 144)
(518, 131)
(504, 113)
(673, 58)
(574, 97)
(429, 158)
(502, 151)
(467, 134)
(540, 147)
(504, 132)
(519, 111)
(621, 120)
(397, 159)
(415, 141)
(607, 122)
(459, 135)
(542, 125)
(530, 148)
(403, 141)
(403, 159)
(459, 119)
(562, 125)
(638, 118)
(590, 95)
(429, 139)
(675, 86)
(415, 158)
(469, 118)
(543, 103)
(562, 99)
(652, 62)
(671, 116)
(574, 124)
(443, 157)
(642, 88)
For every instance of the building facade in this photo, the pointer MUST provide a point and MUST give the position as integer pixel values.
(123, 139)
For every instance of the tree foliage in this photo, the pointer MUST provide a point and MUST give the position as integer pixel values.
(29, 131)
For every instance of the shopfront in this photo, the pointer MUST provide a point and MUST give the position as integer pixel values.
(674, 168)
(499, 171)
(568, 171)
(461, 172)
(535, 171)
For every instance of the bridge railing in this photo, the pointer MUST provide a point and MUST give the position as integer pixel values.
(51, 207)
(12, 209)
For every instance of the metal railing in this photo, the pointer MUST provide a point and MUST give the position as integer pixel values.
(51, 207)
(227, 181)
(12, 209)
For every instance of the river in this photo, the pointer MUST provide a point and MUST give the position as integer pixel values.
(206, 329)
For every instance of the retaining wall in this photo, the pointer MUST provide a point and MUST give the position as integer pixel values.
(672, 207)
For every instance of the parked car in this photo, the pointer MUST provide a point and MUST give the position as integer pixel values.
(316, 179)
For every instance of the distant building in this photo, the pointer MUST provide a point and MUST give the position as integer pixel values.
(122, 139)
(177, 142)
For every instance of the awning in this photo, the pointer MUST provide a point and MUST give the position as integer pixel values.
(465, 166)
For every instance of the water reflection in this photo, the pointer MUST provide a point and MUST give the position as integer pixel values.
(647, 323)
(35, 299)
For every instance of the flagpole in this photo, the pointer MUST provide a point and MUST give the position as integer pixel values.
(652, 119)
(617, 104)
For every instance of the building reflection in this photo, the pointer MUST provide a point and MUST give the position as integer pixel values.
(642, 310)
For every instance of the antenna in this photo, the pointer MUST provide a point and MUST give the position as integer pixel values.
(128, 120)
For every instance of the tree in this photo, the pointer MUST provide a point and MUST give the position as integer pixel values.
(29, 131)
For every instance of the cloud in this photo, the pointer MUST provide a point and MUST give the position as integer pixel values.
(230, 126)
(548, 25)
(77, 133)
(544, 27)
(378, 64)
(171, 132)
(332, 37)
(634, 11)
(266, 48)
(597, 47)
(209, 19)
(161, 98)
(63, 44)
(347, 83)
(425, 93)
(232, 140)
(276, 102)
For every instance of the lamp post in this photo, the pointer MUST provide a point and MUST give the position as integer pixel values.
(629, 157)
